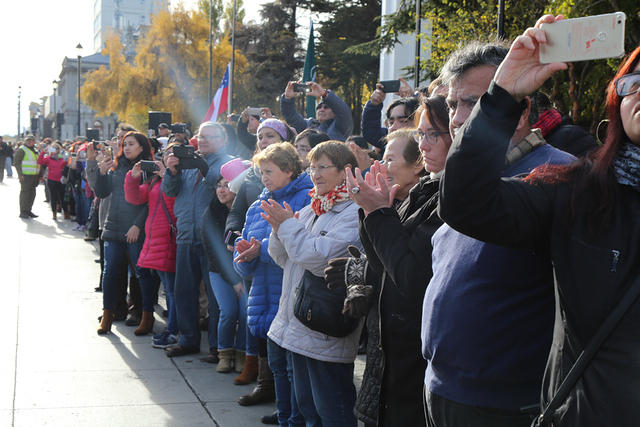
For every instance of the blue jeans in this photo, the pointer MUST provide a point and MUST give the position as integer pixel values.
(286, 403)
(191, 268)
(324, 391)
(82, 207)
(169, 282)
(232, 310)
(251, 341)
(114, 255)
(7, 166)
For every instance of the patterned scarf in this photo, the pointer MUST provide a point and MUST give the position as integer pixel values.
(324, 202)
(626, 165)
(547, 121)
(525, 146)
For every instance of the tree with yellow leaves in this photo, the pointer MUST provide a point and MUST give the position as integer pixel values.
(169, 72)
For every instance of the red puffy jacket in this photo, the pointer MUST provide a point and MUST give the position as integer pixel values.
(159, 249)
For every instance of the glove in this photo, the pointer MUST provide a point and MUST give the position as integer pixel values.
(351, 272)
(340, 269)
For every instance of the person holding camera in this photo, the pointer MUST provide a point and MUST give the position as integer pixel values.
(400, 113)
(123, 227)
(333, 116)
(142, 185)
(55, 165)
(194, 189)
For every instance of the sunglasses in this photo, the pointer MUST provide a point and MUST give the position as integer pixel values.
(628, 84)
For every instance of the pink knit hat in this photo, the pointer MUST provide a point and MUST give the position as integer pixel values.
(232, 169)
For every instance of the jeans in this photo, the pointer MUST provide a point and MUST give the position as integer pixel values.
(232, 310)
(169, 282)
(324, 391)
(82, 208)
(114, 256)
(7, 166)
(251, 341)
(191, 268)
(286, 403)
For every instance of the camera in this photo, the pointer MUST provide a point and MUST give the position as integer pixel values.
(231, 237)
(184, 151)
(301, 87)
(148, 166)
(390, 86)
(178, 128)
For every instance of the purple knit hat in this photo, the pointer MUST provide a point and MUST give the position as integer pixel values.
(276, 125)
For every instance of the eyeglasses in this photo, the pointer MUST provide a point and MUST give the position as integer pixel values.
(222, 185)
(431, 136)
(403, 120)
(628, 84)
(311, 170)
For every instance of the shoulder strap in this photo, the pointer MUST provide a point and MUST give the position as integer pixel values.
(585, 357)
(166, 212)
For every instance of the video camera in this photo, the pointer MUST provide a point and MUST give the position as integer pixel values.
(189, 159)
(178, 128)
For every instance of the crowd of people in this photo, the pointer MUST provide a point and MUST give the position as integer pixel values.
(471, 245)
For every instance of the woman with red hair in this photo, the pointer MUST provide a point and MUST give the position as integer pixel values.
(123, 231)
(585, 216)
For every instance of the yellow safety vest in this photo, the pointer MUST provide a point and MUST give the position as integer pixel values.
(30, 162)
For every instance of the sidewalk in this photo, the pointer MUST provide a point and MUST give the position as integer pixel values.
(57, 371)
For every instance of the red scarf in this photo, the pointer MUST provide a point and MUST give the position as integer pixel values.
(324, 202)
(547, 121)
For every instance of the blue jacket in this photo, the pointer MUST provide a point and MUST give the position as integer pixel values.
(488, 313)
(193, 194)
(338, 128)
(370, 125)
(266, 287)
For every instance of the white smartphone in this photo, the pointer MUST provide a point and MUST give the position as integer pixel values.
(583, 39)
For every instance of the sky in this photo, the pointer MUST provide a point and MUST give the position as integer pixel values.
(36, 36)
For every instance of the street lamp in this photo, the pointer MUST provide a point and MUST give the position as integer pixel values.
(79, 47)
(19, 95)
(55, 109)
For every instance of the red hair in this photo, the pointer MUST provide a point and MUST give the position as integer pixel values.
(594, 173)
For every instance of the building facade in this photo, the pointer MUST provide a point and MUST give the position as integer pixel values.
(121, 16)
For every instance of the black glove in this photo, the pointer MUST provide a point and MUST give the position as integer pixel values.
(341, 268)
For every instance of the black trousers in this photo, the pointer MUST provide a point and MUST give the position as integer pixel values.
(442, 412)
(56, 194)
(2, 161)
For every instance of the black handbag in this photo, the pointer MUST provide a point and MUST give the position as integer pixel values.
(320, 308)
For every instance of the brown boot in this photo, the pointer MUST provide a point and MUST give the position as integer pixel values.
(67, 215)
(146, 325)
(105, 323)
(249, 371)
(55, 216)
(263, 392)
(239, 359)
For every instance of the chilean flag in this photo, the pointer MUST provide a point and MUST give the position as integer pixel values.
(219, 103)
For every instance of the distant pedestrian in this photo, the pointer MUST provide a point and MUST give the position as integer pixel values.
(5, 151)
(26, 162)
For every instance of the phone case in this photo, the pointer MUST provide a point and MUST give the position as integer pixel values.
(583, 39)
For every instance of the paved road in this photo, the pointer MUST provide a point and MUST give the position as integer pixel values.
(56, 371)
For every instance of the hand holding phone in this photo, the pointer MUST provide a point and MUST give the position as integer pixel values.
(301, 88)
(390, 86)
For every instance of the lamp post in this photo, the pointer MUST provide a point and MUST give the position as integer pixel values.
(79, 47)
(55, 110)
(210, 52)
(233, 57)
(19, 95)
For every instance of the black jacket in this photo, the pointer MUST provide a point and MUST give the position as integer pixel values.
(592, 270)
(571, 138)
(398, 247)
(122, 214)
(247, 194)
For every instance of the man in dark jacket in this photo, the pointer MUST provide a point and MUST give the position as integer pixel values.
(488, 310)
(194, 193)
(333, 115)
(4, 154)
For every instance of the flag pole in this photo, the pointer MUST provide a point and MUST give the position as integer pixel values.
(233, 57)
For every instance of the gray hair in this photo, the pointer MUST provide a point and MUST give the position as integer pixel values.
(473, 54)
(213, 125)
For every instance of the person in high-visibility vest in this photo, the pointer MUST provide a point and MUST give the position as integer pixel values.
(26, 163)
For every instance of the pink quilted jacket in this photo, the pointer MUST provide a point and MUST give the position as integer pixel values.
(159, 249)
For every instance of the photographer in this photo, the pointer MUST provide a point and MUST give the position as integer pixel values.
(194, 189)
(333, 115)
